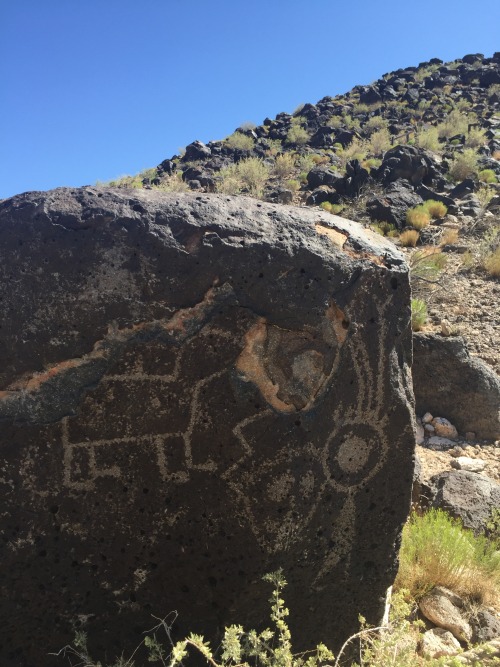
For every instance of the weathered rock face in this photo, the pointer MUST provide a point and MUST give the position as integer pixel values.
(196, 391)
(448, 380)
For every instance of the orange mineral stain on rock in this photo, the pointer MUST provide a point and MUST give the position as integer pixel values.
(338, 321)
(336, 237)
(250, 364)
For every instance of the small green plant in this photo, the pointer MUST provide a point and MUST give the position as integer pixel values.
(418, 314)
(293, 185)
(487, 176)
(240, 141)
(383, 228)
(269, 648)
(426, 265)
(326, 206)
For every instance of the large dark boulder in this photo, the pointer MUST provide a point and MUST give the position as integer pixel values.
(449, 382)
(464, 495)
(393, 204)
(196, 390)
(409, 163)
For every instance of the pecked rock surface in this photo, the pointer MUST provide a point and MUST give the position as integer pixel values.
(196, 390)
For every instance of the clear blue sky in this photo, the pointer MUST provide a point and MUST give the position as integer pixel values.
(94, 89)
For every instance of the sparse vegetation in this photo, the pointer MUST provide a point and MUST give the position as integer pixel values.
(297, 134)
(409, 238)
(240, 141)
(487, 176)
(284, 165)
(464, 165)
(418, 314)
(429, 139)
(436, 209)
(248, 175)
(418, 217)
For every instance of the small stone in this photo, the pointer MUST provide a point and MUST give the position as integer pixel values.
(427, 418)
(469, 464)
(446, 328)
(438, 642)
(437, 607)
(419, 434)
(429, 428)
(436, 442)
(444, 428)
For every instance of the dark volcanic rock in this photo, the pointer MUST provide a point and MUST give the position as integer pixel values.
(464, 495)
(449, 382)
(196, 390)
(409, 163)
(393, 204)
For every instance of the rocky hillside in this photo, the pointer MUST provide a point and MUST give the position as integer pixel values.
(377, 154)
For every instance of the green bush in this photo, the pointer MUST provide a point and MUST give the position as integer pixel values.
(250, 175)
(487, 176)
(297, 135)
(436, 209)
(437, 551)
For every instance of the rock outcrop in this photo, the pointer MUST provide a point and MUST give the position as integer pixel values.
(448, 380)
(196, 390)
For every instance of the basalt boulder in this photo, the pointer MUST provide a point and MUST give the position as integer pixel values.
(196, 391)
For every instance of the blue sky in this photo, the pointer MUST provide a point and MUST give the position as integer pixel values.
(94, 89)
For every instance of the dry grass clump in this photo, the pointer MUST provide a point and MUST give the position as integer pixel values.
(436, 209)
(437, 551)
(449, 237)
(475, 138)
(174, 183)
(380, 142)
(418, 314)
(456, 123)
(409, 238)
(250, 175)
(491, 263)
(297, 134)
(429, 139)
(418, 217)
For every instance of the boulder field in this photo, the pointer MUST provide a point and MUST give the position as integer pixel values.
(196, 390)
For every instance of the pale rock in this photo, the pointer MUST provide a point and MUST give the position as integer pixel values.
(457, 451)
(444, 428)
(468, 463)
(427, 418)
(436, 442)
(438, 608)
(420, 434)
(429, 429)
(446, 328)
(438, 642)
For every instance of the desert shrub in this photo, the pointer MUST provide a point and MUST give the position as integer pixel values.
(336, 122)
(475, 138)
(409, 238)
(305, 163)
(240, 141)
(456, 123)
(418, 314)
(250, 174)
(487, 176)
(418, 217)
(437, 551)
(247, 125)
(173, 183)
(374, 124)
(320, 159)
(428, 139)
(371, 163)
(274, 147)
(297, 134)
(357, 150)
(383, 228)
(426, 264)
(380, 142)
(436, 209)
(491, 263)
(464, 165)
(326, 206)
(293, 185)
(485, 195)
(284, 165)
(134, 182)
